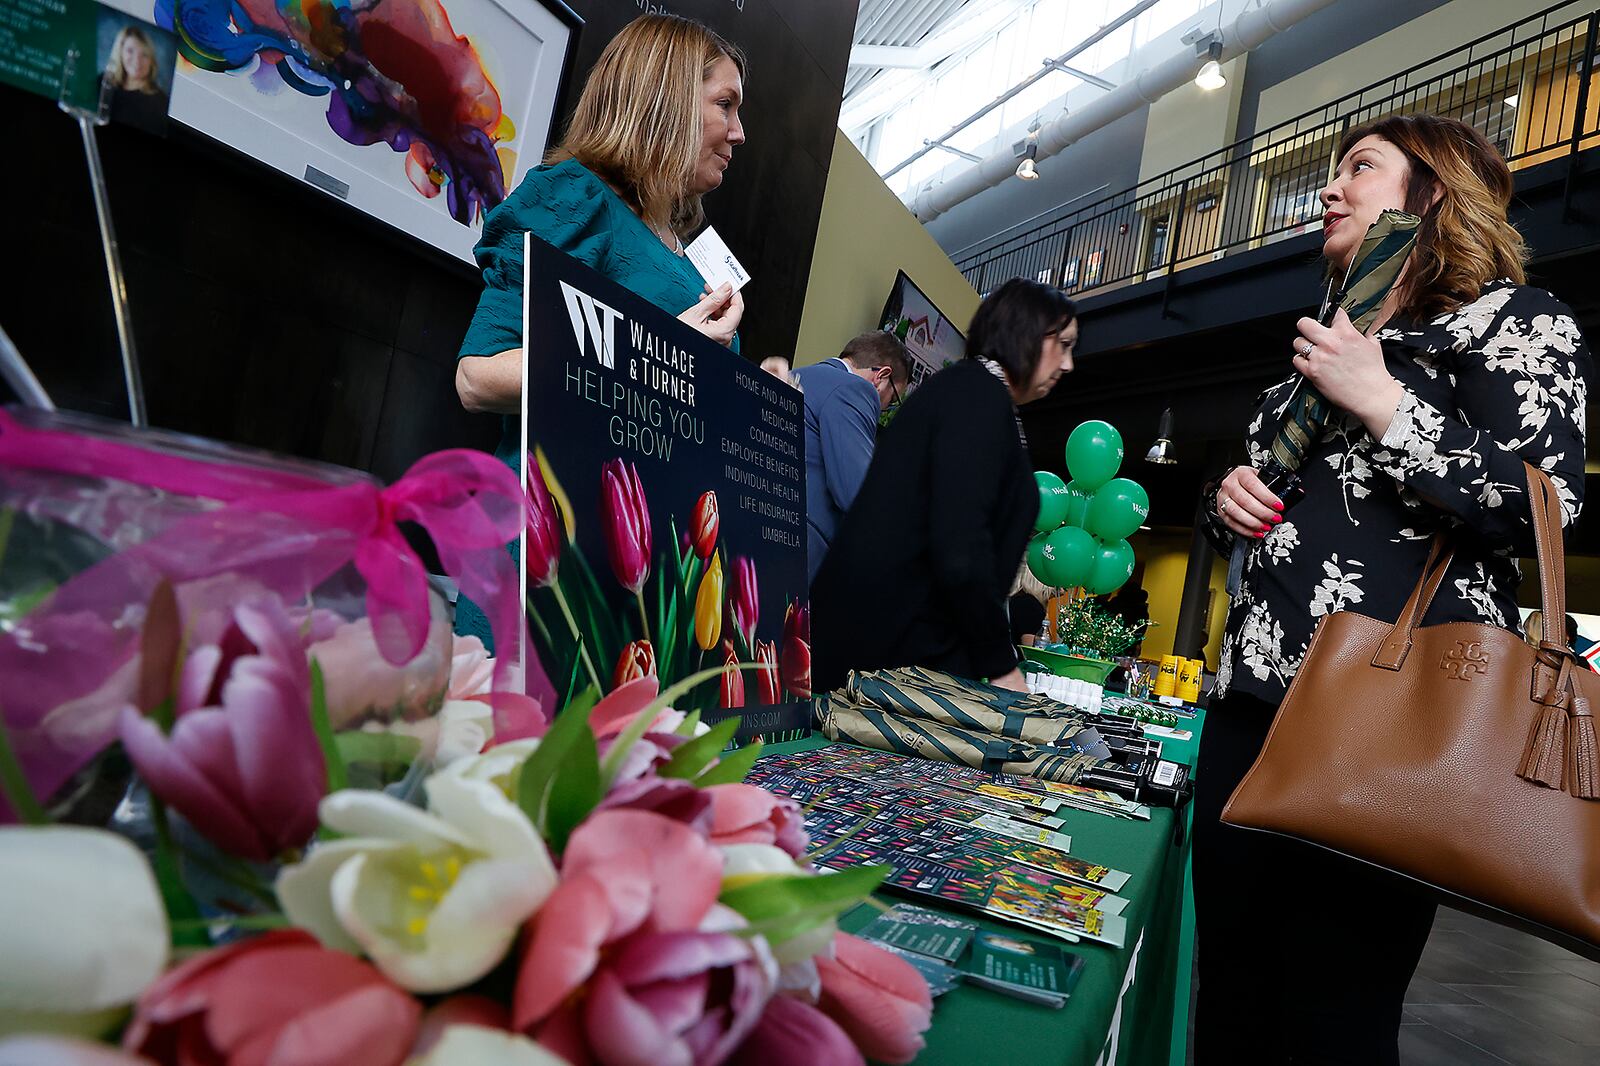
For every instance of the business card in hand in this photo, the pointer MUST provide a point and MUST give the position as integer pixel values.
(716, 264)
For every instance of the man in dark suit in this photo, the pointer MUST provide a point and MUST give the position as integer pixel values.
(844, 397)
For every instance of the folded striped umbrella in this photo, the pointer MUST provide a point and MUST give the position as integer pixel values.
(936, 715)
(1373, 272)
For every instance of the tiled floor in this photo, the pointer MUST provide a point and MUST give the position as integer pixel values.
(1485, 995)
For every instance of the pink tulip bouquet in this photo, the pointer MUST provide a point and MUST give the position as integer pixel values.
(608, 891)
(662, 607)
(337, 839)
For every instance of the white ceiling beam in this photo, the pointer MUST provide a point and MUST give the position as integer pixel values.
(902, 78)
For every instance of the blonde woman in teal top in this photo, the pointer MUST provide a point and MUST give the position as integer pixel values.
(653, 131)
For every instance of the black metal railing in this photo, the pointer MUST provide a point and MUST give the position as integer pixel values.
(1526, 87)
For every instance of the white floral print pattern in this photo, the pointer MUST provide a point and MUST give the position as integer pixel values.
(1500, 381)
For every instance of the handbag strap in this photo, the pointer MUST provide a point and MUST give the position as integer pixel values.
(1391, 654)
(1549, 676)
(1553, 664)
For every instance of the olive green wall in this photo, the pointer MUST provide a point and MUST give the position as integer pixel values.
(1440, 30)
(866, 235)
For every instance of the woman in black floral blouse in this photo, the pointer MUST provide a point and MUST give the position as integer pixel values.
(1305, 957)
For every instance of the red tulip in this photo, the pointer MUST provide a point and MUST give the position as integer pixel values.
(876, 997)
(732, 677)
(745, 814)
(278, 997)
(637, 660)
(744, 599)
(796, 666)
(767, 685)
(631, 959)
(703, 525)
(544, 529)
(625, 520)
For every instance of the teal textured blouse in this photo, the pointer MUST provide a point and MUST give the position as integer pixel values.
(567, 206)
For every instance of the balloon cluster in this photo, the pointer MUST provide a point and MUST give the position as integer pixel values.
(1084, 524)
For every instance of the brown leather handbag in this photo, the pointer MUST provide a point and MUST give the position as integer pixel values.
(1457, 755)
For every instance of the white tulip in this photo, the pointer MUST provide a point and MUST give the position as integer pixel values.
(478, 1045)
(82, 928)
(435, 898)
(745, 863)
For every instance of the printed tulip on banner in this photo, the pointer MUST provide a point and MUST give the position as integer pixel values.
(796, 662)
(732, 679)
(744, 600)
(768, 687)
(637, 660)
(544, 530)
(708, 606)
(703, 525)
(625, 519)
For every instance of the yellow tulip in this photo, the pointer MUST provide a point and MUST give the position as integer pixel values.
(708, 606)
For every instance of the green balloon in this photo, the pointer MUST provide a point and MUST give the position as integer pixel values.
(1036, 559)
(1094, 453)
(1112, 567)
(1077, 504)
(1052, 501)
(1117, 509)
(1068, 557)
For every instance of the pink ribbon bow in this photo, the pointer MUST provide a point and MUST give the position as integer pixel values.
(64, 666)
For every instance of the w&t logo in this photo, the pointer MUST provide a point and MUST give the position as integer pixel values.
(1465, 660)
(595, 321)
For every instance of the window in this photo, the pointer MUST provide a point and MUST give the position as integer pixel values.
(1292, 201)
(1159, 228)
(928, 104)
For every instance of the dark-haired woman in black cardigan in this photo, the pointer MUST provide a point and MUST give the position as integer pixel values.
(920, 568)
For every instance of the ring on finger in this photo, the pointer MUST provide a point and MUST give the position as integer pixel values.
(1222, 507)
(1305, 352)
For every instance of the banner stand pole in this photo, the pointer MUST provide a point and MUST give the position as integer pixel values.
(87, 123)
(15, 371)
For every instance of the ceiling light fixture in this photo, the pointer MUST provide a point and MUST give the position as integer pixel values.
(1028, 169)
(1027, 150)
(1210, 77)
(1160, 452)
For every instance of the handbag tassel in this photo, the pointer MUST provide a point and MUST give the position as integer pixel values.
(1583, 753)
(1543, 761)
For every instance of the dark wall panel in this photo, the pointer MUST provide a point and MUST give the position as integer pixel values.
(272, 315)
(771, 197)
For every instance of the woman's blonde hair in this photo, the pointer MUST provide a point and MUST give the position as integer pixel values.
(638, 123)
(116, 77)
(1465, 240)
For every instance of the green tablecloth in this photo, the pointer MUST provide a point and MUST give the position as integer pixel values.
(1129, 1002)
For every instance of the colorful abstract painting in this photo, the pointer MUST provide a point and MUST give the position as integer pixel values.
(422, 112)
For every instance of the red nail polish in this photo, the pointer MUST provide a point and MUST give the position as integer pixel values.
(1262, 532)
(1278, 507)
(1277, 518)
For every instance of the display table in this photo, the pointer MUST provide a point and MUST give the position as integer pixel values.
(1129, 1002)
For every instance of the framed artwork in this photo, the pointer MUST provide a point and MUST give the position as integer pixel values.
(422, 113)
(1091, 267)
(1069, 273)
